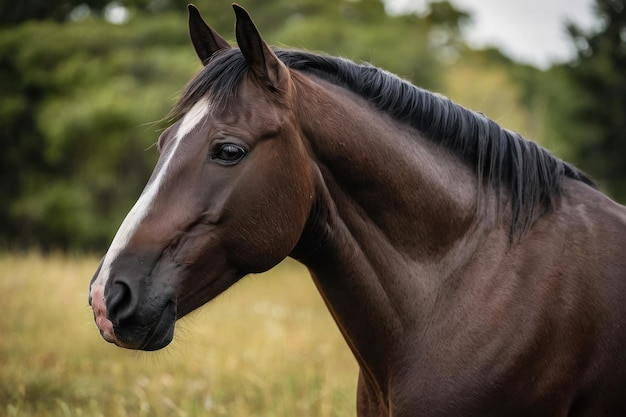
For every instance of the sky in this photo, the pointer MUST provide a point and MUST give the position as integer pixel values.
(529, 31)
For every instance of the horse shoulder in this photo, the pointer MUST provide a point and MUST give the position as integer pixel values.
(582, 245)
(543, 321)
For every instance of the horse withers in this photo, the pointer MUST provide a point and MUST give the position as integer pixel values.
(471, 272)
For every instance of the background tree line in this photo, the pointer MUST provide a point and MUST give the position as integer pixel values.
(83, 99)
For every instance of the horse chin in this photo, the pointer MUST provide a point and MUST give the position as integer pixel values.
(157, 337)
(163, 331)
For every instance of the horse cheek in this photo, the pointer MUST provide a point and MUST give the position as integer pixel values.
(270, 220)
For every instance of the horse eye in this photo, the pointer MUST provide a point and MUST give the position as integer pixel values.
(229, 154)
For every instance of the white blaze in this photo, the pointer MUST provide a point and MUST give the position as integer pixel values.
(140, 210)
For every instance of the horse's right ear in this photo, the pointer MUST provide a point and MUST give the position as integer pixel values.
(205, 40)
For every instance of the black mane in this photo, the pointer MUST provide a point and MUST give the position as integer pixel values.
(500, 157)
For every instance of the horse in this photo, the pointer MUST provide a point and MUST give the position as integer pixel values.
(470, 271)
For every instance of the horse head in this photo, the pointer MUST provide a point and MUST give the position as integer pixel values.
(230, 195)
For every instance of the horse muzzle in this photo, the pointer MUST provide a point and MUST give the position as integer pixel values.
(133, 317)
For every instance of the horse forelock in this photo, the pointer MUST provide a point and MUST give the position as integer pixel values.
(501, 158)
(218, 79)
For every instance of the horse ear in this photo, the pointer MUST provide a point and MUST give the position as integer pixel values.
(205, 40)
(263, 62)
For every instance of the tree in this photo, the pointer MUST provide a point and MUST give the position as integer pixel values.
(75, 120)
(16, 12)
(597, 121)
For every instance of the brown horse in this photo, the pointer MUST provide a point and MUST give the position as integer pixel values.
(471, 272)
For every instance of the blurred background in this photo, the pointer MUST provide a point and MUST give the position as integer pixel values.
(84, 88)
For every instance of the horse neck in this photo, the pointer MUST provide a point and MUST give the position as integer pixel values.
(384, 176)
(394, 211)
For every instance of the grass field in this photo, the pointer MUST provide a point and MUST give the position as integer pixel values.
(267, 347)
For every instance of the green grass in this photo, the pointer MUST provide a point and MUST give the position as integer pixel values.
(267, 347)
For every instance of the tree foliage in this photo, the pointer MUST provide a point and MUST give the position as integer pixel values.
(596, 116)
(75, 116)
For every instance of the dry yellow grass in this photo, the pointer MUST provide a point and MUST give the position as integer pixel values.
(267, 347)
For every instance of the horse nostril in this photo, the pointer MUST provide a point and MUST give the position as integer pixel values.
(121, 302)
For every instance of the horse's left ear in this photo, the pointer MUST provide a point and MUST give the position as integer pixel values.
(263, 62)
(205, 40)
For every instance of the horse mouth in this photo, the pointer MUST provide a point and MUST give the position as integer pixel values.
(156, 337)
